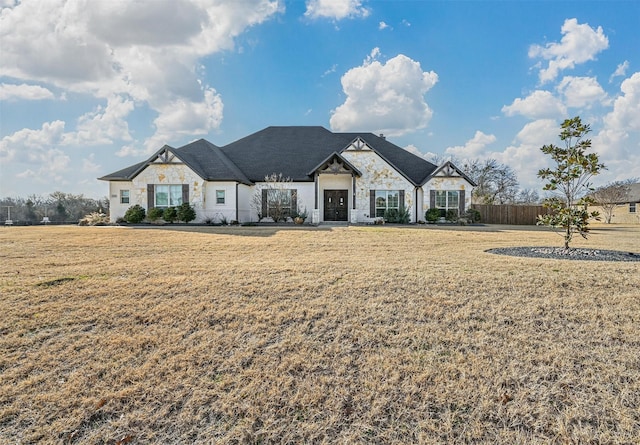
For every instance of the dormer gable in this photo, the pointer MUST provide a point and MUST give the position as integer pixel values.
(165, 156)
(358, 144)
(449, 170)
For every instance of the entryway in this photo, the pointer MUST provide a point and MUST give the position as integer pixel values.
(335, 205)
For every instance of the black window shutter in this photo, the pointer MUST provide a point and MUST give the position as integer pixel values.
(401, 200)
(372, 203)
(294, 201)
(185, 193)
(461, 203)
(264, 203)
(150, 196)
(432, 199)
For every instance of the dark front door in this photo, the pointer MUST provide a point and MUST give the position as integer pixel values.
(335, 205)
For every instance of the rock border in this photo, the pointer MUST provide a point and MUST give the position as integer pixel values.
(559, 253)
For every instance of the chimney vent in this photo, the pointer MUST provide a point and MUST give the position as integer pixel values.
(382, 136)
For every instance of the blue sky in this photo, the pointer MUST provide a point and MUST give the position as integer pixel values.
(88, 87)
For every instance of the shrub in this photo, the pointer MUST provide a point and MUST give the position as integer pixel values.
(432, 215)
(186, 213)
(135, 214)
(399, 216)
(94, 219)
(472, 216)
(170, 214)
(155, 213)
(451, 215)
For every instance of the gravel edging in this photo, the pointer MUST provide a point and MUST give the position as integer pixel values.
(559, 253)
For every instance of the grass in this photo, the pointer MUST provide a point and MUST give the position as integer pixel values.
(350, 335)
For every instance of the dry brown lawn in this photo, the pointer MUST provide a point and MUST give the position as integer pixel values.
(345, 335)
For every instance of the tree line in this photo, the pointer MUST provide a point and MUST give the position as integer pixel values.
(57, 207)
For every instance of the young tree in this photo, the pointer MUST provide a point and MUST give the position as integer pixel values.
(611, 195)
(569, 181)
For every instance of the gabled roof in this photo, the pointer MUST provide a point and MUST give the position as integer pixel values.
(328, 162)
(204, 158)
(295, 152)
(449, 170)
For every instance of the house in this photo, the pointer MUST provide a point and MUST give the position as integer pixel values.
(352, 177)
(625, 209)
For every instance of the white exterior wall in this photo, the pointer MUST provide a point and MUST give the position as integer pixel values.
(437, 183)
(117, 210)
(213, 211)
(245, 211)
(305, 193)
(377, 174)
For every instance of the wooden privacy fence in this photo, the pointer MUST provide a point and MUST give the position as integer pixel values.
(509, 214)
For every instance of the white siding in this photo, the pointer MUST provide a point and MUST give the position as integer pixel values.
(305, 193)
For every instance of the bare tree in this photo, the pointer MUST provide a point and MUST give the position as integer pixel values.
(609, 196)
(276, 199)
(528, 196)
(496, 183)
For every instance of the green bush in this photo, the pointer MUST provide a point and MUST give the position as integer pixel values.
(170, 214)
(186, 213)
(399, 216)
(451, 215)
(135, 214)
(472, 215)
(432, 215)
(155, 213)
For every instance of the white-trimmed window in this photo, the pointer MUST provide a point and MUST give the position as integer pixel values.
(124, 196)
(167, 195)
(632, 207)
(220, 196)
(386, 200)
(447, 200)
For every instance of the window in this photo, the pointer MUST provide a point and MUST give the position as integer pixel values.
(278, 203)
(387, 200)
(219, 196)
(124, 196)
(632, 207)
(447, 200)
(168, 195)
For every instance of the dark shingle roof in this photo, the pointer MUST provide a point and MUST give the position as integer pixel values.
(292, 151)
(209, 162)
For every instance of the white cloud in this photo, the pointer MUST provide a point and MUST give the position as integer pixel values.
(147, 51)
(619, 137)
(103, 126)
(89, 165)
(581, 91)
(385, 98)
(473, 148)
(23, 91)
(416, 151)
(382, 25)
(580, 43)
(621, 71)
(537, 105)
(28, 144)
(335, 9)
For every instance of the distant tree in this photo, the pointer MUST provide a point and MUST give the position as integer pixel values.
(528, 196)
(609, 196)
(185, 212)
(569, 181)
(496, 183)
